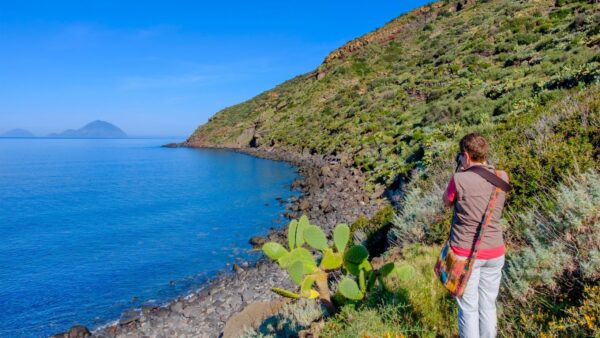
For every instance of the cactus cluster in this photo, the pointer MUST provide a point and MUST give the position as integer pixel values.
(309, 272)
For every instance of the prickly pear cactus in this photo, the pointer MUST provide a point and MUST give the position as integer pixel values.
(310, 271)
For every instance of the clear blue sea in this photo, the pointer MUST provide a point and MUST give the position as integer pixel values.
(90, 228)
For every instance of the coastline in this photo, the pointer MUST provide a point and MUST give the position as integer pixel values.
(332, 192)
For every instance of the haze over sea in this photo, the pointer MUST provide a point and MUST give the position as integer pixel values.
(93, 227)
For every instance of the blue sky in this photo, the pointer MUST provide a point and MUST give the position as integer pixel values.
(161, 68)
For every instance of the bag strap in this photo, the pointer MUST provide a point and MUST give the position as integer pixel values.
(492, 178)
(484, 225)
(487, 217)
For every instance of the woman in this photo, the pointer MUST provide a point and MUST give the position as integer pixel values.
(470, 193)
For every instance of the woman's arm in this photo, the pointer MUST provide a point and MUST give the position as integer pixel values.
(450, 193)
(504, 175)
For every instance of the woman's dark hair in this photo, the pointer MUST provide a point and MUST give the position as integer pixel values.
(476, 145)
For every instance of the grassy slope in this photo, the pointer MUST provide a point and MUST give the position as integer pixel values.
(421, 78)
(524, 73)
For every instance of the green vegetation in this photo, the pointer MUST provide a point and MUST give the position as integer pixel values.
(289, 322)
(561, 263)
(550, 287)
(523, 73)
(372, 233)
(415, 306)
(399, 101)
(552, 220)
(359, 275)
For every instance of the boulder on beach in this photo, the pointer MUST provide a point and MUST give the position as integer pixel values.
(129, 316)
(257, 241)
(251, 317)
(77, 331)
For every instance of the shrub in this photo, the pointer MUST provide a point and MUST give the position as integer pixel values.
(539, 147)
(419, 210)
(415, 307)
(360, 67)
(385, 320)
(560, 14)
(560, 256)
(374, 231)
(585, 74)
(580, 320)
(525, 38)
(421, 216)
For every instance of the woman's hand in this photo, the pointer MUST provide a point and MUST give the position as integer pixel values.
(447, 202)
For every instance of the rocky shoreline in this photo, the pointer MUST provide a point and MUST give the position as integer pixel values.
(332, 192)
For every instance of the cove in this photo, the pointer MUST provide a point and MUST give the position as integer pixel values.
(92, 228)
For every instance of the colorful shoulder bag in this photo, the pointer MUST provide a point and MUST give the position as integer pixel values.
(454, 272)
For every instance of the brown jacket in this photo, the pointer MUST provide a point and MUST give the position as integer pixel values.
(472, 197)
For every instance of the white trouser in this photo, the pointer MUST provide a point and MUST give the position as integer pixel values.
(477, 305)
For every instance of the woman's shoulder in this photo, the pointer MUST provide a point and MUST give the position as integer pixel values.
(503, 175)
(468, 175)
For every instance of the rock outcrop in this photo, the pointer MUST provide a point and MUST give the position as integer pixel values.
(386, 33)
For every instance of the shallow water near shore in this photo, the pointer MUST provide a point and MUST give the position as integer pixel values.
(91, 228)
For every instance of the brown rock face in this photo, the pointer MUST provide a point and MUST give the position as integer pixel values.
(383, 34)
(245, 137)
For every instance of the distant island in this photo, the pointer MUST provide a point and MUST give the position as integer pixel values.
(17, 133)
(96, 129)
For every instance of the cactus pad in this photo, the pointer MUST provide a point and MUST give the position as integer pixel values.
(292, 234)
(315, 237)
(352, 268)
(349, 289)
(296, 272)
(356, 254)
(306, 286)
(297, 254)
(361, 281)
(274, 250)
(341, 236)
(331, 260)
(285, 293)
(303, 223)
(386, 269)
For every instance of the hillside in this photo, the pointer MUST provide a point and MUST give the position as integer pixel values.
(95, 129)
(394, 102)
(17, 133)
(387, 97)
